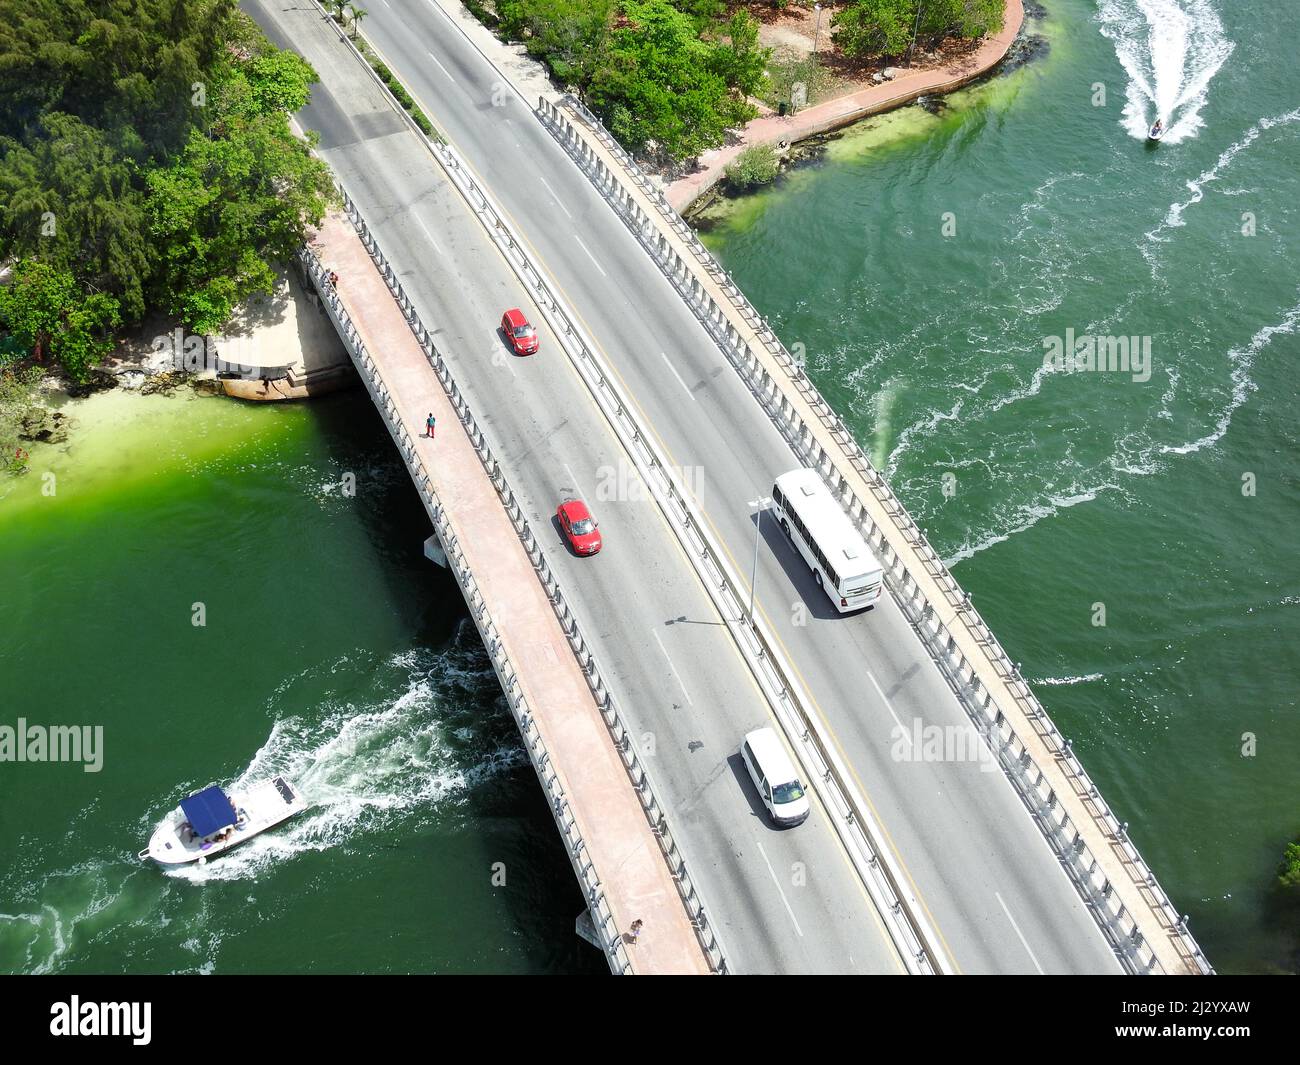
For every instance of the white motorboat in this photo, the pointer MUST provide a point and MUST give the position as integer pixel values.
(1156, 132)
(210, 822)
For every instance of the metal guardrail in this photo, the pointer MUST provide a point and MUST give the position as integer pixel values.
(621, 736)
(962, 675)
(913, 936)
(602, 917)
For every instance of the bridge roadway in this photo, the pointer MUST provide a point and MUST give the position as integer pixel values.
(781, 901)
(529, 642)
(989, 882)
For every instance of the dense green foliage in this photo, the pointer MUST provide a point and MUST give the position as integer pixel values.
(18, 410)
(46, 314)
(146, 160)
(667, 79)
(1288, 871)
(756, 165)
(888, 27)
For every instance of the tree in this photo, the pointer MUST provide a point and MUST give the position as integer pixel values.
(74, 201)
(661, 85)
(569, 36)
(1288, 871)
(740, 60)
(46, 312)
(874, 27)
(358, 15)
(227, 210)
(106, 111)
(891, 27)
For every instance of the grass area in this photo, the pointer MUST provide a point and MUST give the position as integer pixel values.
(788, 67)
(756, 165)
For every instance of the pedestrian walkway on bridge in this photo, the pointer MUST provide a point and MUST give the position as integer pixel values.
(619, 841)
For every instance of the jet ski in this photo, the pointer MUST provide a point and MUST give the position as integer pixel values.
(1157, 131)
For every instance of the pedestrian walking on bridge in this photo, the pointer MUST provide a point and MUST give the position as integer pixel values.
(430, 424)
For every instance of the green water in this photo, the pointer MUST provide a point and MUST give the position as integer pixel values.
(1071, 489)
(332, 651)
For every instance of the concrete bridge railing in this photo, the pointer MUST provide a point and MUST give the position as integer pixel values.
(775, 377)
(601, 914)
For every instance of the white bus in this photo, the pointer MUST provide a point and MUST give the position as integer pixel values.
(835, 551)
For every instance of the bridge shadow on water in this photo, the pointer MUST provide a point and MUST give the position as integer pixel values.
(507, 815)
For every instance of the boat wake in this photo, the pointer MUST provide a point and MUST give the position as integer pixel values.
(1196, 186)
(1170, 50)
(410, 754)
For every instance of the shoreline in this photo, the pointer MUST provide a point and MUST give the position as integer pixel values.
(685, 192)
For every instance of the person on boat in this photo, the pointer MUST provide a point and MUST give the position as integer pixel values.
(1158, 128)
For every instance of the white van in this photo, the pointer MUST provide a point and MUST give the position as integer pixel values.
(774, 776)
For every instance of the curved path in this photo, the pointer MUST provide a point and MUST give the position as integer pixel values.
(844, 110)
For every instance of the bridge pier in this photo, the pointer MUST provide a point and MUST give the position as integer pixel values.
(434, 552)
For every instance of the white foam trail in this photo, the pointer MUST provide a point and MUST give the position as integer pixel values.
(1242, 361)
(374, 766)
(1086, 679)
(925, 425)
(1171, 50)
(1174, 217)
(1026, 517)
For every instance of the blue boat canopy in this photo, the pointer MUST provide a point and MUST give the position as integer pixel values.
(209, 811)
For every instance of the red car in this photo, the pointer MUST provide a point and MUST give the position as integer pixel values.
(579, 526)
(522, 336)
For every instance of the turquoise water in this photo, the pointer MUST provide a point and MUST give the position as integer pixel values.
(922, 261)
(332, 651)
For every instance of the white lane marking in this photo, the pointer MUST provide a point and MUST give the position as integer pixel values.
(672, 667)
(663, 356)
(1023, 943)
(888, 706)
(432, 239)
(558, 202)
(441, 67)
(793, 920)
(576, 486)
(461, 29)
(589, 255)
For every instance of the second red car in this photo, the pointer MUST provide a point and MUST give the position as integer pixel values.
(522, 336)
(579, 526)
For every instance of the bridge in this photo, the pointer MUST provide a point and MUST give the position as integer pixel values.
(662, 397)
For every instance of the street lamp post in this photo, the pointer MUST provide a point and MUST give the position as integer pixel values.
(818, 31)
(759, 505)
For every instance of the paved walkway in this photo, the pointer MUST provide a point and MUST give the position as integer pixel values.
(620, 844)
(843, 110)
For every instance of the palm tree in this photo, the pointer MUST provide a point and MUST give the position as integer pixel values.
(358, 13)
